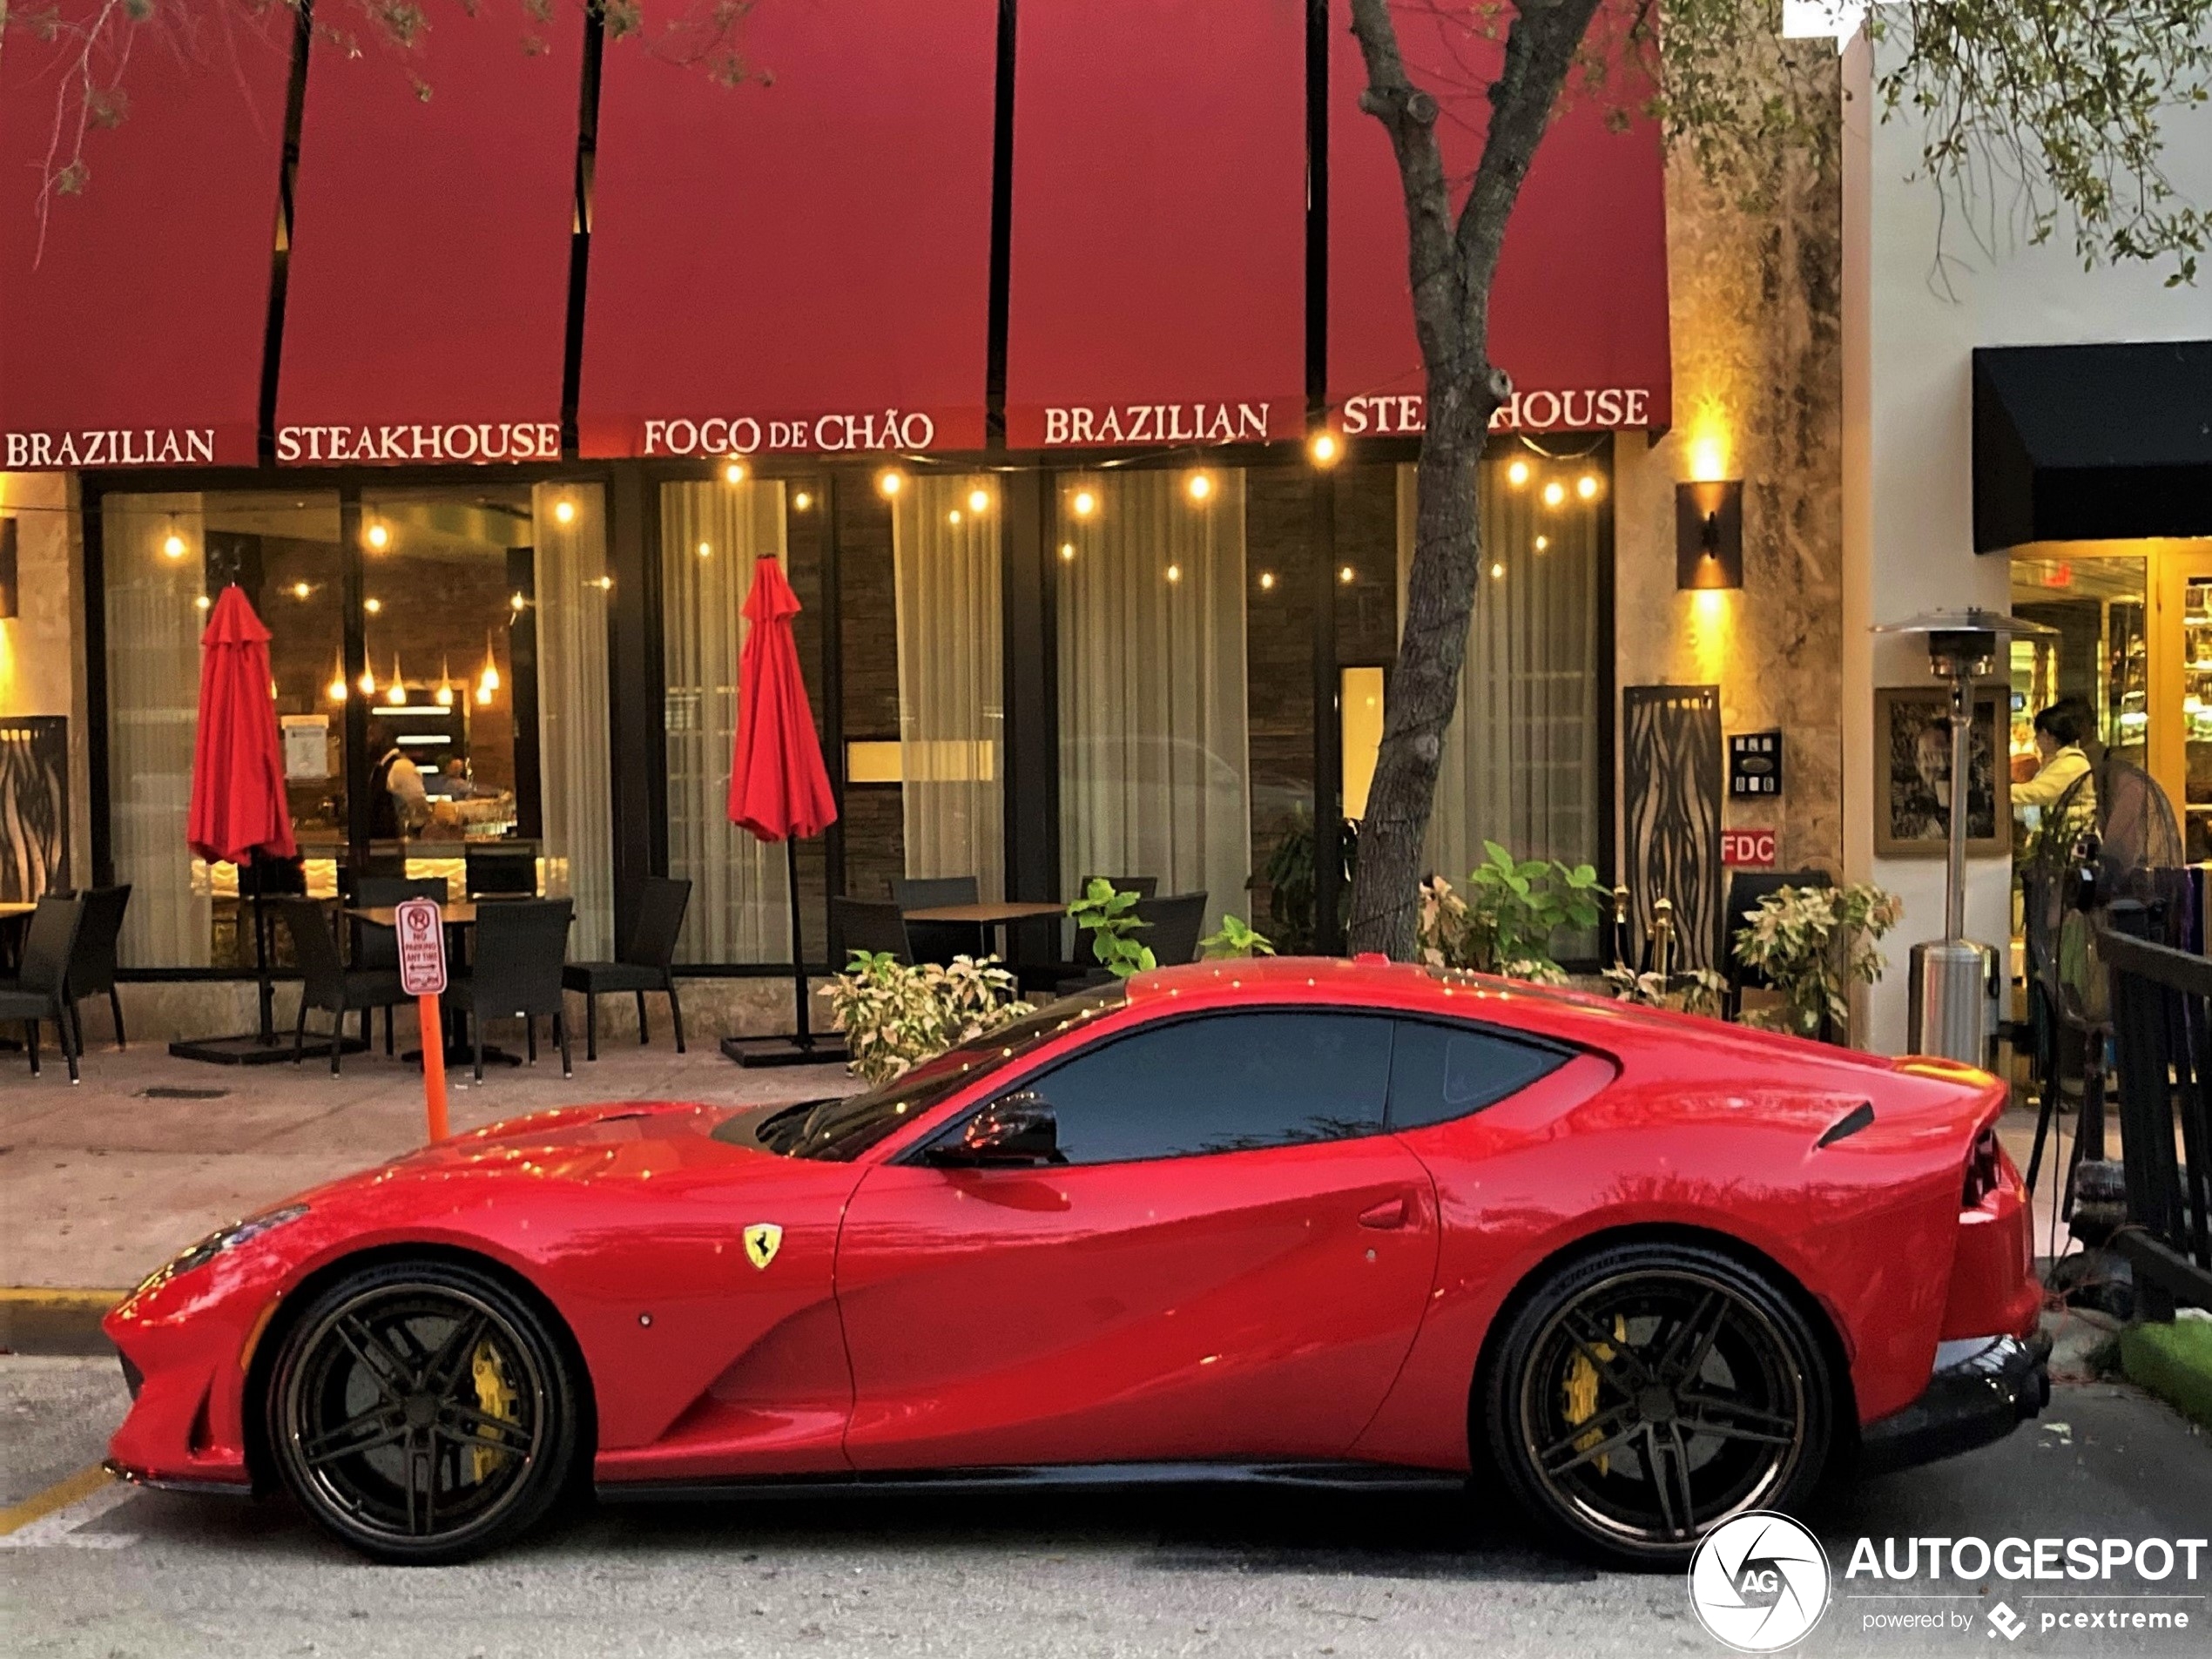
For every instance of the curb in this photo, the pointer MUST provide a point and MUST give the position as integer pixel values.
(34, 1320)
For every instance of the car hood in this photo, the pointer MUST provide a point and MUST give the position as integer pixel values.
(627, 1141)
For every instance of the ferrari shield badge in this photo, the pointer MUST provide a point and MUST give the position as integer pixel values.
(762, 1240)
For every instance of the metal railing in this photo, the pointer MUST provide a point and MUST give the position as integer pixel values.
(2162, 1028)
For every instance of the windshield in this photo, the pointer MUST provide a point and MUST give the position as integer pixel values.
(837, 1130)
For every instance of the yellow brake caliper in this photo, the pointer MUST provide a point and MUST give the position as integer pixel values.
(1581, 1391)
(494, 1398)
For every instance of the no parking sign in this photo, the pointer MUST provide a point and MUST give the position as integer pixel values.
(422, 975)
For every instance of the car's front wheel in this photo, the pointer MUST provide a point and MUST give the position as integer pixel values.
(1644, 1394)
(424, 1412)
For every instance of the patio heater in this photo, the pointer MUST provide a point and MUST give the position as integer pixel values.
(1955, 982)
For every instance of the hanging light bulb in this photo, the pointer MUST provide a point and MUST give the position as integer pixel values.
(445, 683)
(891, 481)
(372, 606)
(378, 536)
(1517, 473)
(173, 545)
(733, 472)
(1085, 503)
(1175, 573)
(1586, 486)
(300, 590)
(202, 602)
(336, 689)
(978, 500)
(565, 511)
(395, 693)
(1198, 486)
(1267, 581)
(801, 502)
(953, 518)
(1554, 493)
(367, 682)
(1323, 448)
(488, 682)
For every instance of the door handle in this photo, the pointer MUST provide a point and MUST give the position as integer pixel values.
(1391, 1213)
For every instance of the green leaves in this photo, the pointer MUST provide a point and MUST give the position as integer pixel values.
(1235, 940)
(1107, 914)
(897, 1014)
(1504, 921)
(1814, 943)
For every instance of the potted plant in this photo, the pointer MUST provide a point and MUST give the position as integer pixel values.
(1813, 944)
(1504, 920)
(896, 1015)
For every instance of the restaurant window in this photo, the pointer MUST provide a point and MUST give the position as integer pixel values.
(483, 623)
(166, 557)
(713, 533)
(1155, 757)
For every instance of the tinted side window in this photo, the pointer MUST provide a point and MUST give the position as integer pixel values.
(1223, 1083)
(1444, 1071)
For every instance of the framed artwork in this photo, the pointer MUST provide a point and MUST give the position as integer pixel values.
(1912, 774)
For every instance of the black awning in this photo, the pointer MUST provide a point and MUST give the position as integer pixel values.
(2092, 442)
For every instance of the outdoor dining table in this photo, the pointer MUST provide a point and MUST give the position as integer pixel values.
(15, 917)
(996, 914)
(457, 916)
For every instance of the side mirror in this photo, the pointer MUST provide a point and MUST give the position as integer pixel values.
(1017, 1132)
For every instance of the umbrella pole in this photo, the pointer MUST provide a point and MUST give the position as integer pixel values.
(261, 954)
(805, 1038)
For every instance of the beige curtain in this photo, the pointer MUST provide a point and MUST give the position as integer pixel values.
(153, 628)
(572, 703)
(712, 534)
(1520, 765)
(952, 724)
(1154, 764)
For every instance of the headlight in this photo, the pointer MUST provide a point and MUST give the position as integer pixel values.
(215, 1244)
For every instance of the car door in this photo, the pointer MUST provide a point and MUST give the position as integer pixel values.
(1230, 1263)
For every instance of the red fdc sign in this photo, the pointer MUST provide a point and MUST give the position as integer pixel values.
(422, 947)
(1746, 846)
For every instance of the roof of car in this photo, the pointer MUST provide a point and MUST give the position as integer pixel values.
(1366, 979)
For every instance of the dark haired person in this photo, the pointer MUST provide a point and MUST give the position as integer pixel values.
(398, 805)
(2061, 730)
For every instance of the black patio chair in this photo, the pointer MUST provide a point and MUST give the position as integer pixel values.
(328, 984)
(515, 972)
(378, 948)
(500, 872)
(938, 941)
(872, 924)
(38, 990)
(646, 963)
(91, 964)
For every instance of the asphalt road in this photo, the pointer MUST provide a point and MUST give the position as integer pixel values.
(118, 1575)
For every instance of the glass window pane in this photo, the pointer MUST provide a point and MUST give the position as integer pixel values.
(713, 535)
(1223, 1084)
(167, 556)
(1278, 703)
(1154, 763)
(1439, 1072)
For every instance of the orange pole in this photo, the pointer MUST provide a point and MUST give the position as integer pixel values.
(434, 1063)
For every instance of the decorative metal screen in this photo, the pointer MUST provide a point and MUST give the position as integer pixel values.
(1671, 797)
(34, 806)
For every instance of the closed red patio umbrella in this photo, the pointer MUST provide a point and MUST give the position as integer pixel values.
(779, 790)
(239, 810)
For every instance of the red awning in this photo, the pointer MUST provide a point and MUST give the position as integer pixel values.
(1157, 287)
(426, 305)
(135, 314)
(1578, 314)
(802, 265)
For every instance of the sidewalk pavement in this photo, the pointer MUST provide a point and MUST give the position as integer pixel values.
(102, 1182)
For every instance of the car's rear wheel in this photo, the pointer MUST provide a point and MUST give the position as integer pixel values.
(1646, 1393)
(424, 1412)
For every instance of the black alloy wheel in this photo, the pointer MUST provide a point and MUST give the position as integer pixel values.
(423, 1412)
(1647, 1393)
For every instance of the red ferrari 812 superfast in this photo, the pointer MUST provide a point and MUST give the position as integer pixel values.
(1294, 1220)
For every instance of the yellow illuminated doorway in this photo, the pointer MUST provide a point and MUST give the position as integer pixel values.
(2181, 686)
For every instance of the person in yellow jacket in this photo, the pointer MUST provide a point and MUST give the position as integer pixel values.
(2060, 730)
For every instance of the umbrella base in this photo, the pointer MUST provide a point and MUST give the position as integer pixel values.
(828, 1050)
(250, 1049)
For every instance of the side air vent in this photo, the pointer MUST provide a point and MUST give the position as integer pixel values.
(1848, 1125)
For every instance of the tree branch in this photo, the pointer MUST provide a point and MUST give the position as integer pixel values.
(1408, 114)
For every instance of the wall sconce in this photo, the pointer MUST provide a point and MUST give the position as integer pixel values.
(8, 588)
(1709, 535)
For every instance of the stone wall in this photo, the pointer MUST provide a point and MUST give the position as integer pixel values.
(1757, 304)
(42, 648)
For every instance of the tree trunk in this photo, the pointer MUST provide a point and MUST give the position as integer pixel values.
(1450, 268)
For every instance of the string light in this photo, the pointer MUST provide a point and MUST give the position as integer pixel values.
(563, 511)
(978, 500)
(706, 549)
(1267, 581)
(173, 545)
(1517, 474)
(1085, 503)
(733, 472)
(1554, 493)
(1324, 449)
(377, 536)
(890, 481)
(1067, 552)
(953, 518)
(1345, 575)
(1586, 486)
(1175, 573)
(1199, 486)
(802, 501)
(372, 606)
(300, 590)
(1543, 541)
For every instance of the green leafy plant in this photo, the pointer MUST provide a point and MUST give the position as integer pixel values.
(1697, 990)
(896, 1015)
(1108, 916)
(1236, 938)
(1506, 918)
(1289, 874)
(1814, 944)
